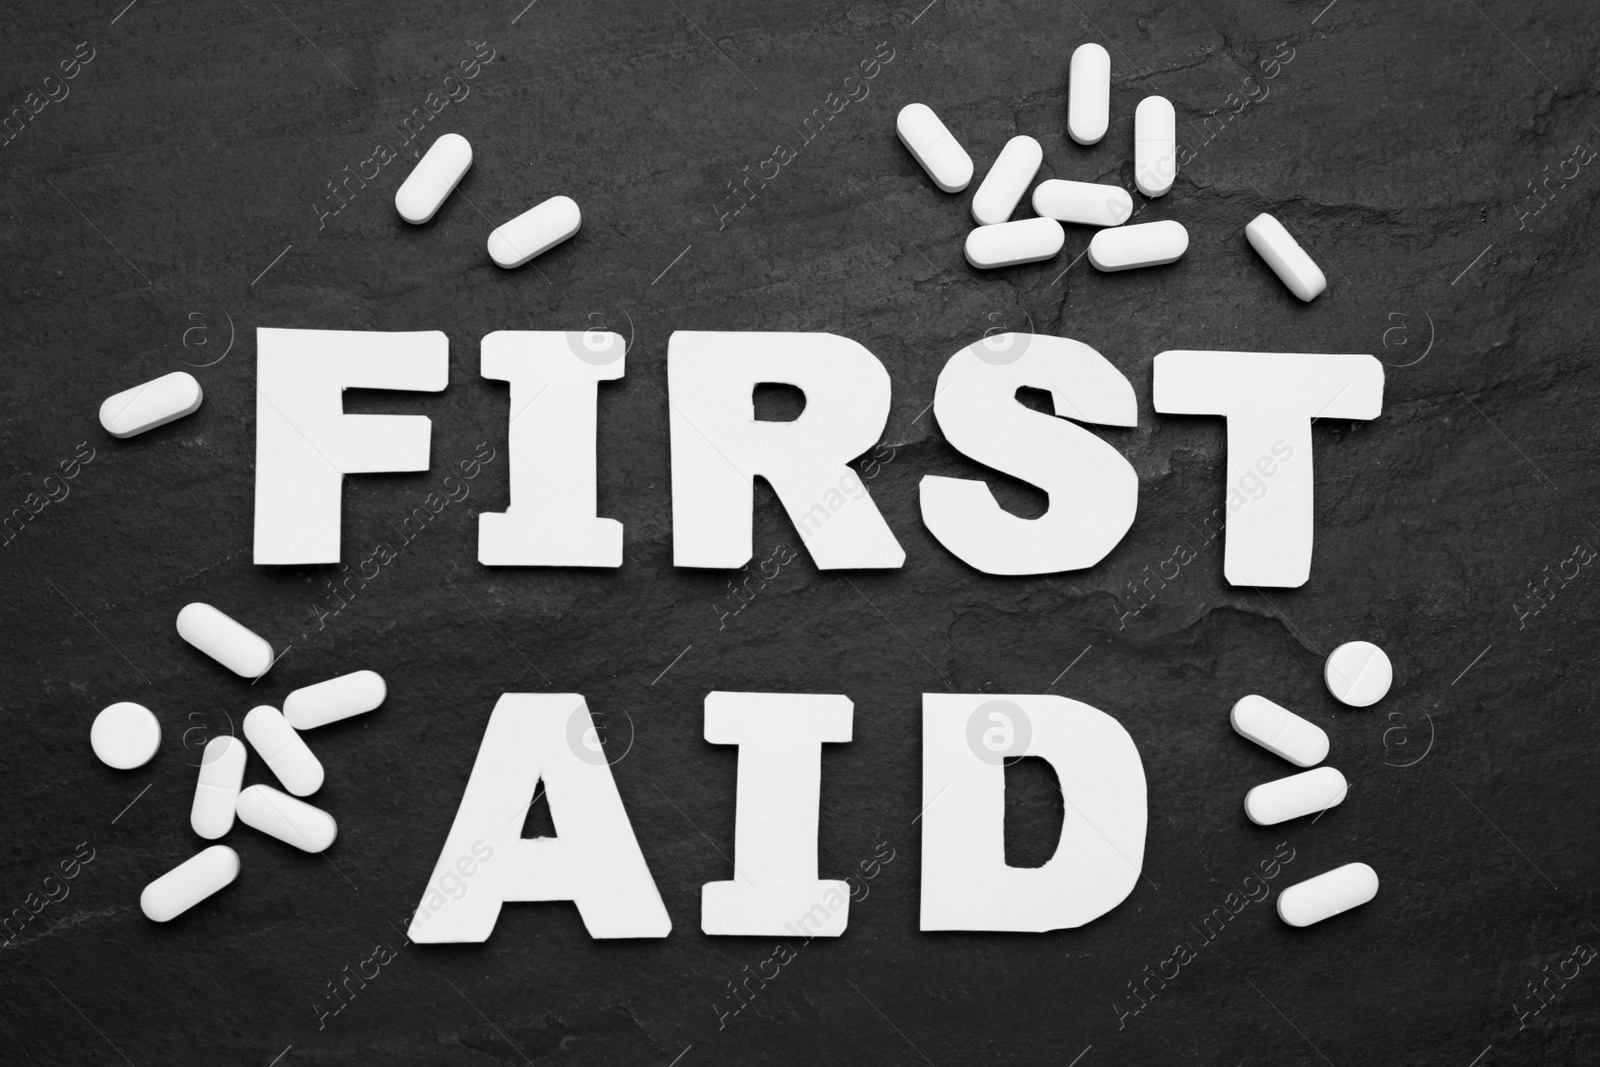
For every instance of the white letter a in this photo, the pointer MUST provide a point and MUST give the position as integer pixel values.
(594, 861)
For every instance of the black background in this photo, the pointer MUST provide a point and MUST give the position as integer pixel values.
(1399, 141)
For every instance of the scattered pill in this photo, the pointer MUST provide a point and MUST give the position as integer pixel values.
(155, 403)
(1089, 94)
(1155, 149)
(240, 650)
(1010, 243)
(221, 774)
(1327, 894)
(125, 736)
(1358, 673)
(282, 749)
(1147, 244)
(335, 699)
(1280, 731)
(291, 821)
(189, 883)
(935, 147)
(534, 232)
(433, 178)
(1084, 203)
(1285, 256)
(1002, 188)
(1295, 796)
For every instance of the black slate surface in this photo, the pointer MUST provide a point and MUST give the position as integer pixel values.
(1436, 159)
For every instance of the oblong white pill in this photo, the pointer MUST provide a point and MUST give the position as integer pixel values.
(534, 232)
(237, 648)
(1358, 673)
(217, 791)
(282, 749)
(189, 883)
(125, 735)
(1084, 203)
(1280, 731)
(1327, 894)
(155, 403)
(1297, 795)
(1007, 180)
(1155, 145)
(1089, 94)
(1147, 244)
(934, 146)
(337, 698)
(1010, 243)
(433, 178)
(1285, 256)
(291, 821)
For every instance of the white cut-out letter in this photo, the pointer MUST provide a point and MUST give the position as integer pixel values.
(718, 446)
(593, 861)
(550, 521)
(775, 889)
(1093, 490)
(306, 444)
(966, 884)
(1270, 400)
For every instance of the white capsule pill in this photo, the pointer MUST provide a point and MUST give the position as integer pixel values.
(155, 403)
(1327, 894)
(1147, 244)
(337, 698)
(240, 650)
(189, 883)
(1089, 94)
(433, 178)
(221, 775)
(282, 749)
(935, 147)
(291, 821)
(125, 736)
(1285, 256)
(1084, 203)
(1007, 180)
(1280, 731)
(1010, 243)
(1297, 795)
(1358, 673)
(1155, 145)
(534, 232)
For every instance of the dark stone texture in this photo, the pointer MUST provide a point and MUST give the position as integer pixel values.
(1399, 140)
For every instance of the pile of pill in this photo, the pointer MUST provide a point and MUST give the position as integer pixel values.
(1000, 242)
(126, 735)
(513, 243)
(1357, 673)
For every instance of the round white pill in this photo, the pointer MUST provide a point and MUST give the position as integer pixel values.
(1358, 673)
(125, 736)
(1327, 894)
